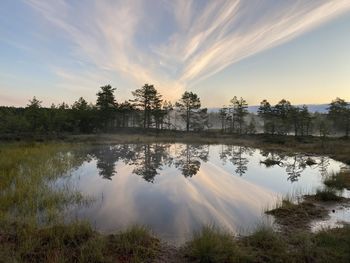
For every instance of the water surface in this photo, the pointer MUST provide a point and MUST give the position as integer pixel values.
(177, 188)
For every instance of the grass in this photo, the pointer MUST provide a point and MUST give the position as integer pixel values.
(211, 245)
(76, 242)
(267, 245)
(32, 219)
(339, 180)
(31, 209)
(27, 172)
(136, 244)
(298, 215)
(327, 195)
(333, 245)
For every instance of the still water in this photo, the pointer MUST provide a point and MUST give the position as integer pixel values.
(175, 189)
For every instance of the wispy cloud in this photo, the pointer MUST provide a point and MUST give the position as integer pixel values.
(228, 31)
(195, 40)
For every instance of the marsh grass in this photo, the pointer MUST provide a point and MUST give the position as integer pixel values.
(33, 227)
(267, 245)
(136, 244)
(296, 211)
(296, 215)
(31, 209)
(339, 180)
(27, 172)
(211, 244)
(327, 195)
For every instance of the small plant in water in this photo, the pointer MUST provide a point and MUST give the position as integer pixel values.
(339, 180)
(327, 194)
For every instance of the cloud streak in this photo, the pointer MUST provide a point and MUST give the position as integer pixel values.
(188, 42)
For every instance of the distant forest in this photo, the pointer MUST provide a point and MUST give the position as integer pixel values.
(147, 110)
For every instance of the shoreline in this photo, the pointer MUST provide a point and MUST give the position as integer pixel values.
(337, 148)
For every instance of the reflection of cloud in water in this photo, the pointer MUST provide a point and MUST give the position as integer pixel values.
(229, 198)
(174, 206)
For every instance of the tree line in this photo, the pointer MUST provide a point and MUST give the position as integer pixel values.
(285, 118)
(145, 110)
(148, 110)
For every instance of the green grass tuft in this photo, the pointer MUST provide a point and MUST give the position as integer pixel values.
(327, 195)
(136, 244)
(339, 180)
(212, 245)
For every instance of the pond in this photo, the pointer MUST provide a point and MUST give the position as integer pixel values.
(175, 189)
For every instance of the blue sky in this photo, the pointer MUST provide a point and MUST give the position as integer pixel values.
(59, 50)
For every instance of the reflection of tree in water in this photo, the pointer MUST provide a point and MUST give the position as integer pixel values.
(149, 159)
(106, 157)
(295, 166)
(236, 155)
(189, 158)
(323, 166)
(272, 158)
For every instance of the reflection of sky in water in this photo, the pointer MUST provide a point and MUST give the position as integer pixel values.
(338, 215)
(174, 205)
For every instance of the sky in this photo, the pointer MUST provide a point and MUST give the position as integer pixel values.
(60, 50)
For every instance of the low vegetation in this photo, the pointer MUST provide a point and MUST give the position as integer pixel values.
(32, 220)
(76, 242)
(213, 245)
(339, 180)
(298, 215)
(267, 245)
(327, 195)
(136, 244)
